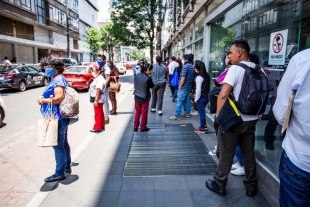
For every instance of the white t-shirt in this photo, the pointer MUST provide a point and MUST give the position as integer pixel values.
(98, 82)
(107, 69)
(6, 62)
(138, 69)
(234, 78)
(199, 81)
(172, 66)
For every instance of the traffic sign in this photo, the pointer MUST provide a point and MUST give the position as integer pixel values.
(277, 49)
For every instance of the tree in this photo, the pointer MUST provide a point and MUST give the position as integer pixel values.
(109, 39)
(137, 22)
(93, 40)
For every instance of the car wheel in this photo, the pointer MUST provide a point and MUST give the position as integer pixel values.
(22, 86)
(1, 116)
(45, 82)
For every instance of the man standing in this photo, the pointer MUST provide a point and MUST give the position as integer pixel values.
(242, 133)
(294, 169)
(101, 61)
(185, 87)
(6, 61)
(173, 64)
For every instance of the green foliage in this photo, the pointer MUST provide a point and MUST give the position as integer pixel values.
(136, 21)
(93, 40)
(109, 39)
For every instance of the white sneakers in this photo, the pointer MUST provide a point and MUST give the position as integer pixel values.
(194, 113)
(237, 170)
(213, 152)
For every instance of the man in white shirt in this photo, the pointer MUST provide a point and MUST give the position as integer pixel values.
(242, 133)
(294, 169)
(6, 61)
(172, 65)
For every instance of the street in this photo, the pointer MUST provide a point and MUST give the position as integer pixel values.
(23, 165)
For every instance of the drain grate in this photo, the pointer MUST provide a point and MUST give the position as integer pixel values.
(168, 149)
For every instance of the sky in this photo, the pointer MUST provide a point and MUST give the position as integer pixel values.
(104, 7)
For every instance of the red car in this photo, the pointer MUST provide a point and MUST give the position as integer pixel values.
(79, 77)
(128, 65)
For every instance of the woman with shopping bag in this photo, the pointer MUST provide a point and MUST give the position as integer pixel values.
(52, 96)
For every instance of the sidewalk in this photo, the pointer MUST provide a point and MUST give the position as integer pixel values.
(98, 180)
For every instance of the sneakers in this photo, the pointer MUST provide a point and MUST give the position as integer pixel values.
(160, 113)
(186, 115)
(235, 166)
(194, 113)
(238, 171)
(213, 152)
(200, 130)
(175, 118)
(152, 110)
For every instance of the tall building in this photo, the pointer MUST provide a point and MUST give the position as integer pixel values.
(32, 29)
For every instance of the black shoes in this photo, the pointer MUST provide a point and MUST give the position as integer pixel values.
(113, 113)
(251, 193)
(269, 146)
(211, 185)
(95, 131)
(135, 129)
(145, 130)
(52, 178)
(68, 171)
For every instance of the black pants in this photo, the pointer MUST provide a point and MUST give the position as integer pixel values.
(158, 92)
(242, 133)
(172, 88)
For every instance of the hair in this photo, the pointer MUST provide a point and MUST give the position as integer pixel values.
(55, 62)
(191, 57)
(254, 58)
(243, 44)
(200, 66)
(103, 57)
(5, 58)
(159, 59)
(173, 58)
(180, 63)
(145, 66)
(99, 55)
(111, 64)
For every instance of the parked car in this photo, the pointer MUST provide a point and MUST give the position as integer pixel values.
(128, 65)
(21, 77)
(2, 111)
(79, 77)
(69, 61)
(121, 68)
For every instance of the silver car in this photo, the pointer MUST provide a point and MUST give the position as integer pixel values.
(121, 68)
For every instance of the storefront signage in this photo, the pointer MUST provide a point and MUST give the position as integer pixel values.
(277, 47)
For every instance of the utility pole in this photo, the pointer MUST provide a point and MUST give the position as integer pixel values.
(68, 36)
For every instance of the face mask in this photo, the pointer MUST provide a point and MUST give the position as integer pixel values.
(183, 62)
(50, 72)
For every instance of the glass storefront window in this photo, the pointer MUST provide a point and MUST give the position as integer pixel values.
(254, 21)
(199, 26)
(198, 52)
(189, 49)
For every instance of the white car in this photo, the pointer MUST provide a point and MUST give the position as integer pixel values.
(2, 111)
(121, 68)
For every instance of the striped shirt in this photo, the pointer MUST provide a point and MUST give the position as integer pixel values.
(189, 73)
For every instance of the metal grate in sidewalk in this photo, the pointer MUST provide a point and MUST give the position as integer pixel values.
(168, 149)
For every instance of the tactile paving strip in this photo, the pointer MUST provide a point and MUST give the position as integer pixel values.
(168, 149)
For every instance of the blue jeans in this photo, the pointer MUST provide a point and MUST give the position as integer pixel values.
(202, 103)
(62, 150)
(238, 154)
(183, 98)
(294, 184)
(174, 96)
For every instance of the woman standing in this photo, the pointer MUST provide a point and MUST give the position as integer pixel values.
(97, 97)
(202, 91)
(114, 78)
(159, 77)
(177, 69)
(54, 94)
(143, 84)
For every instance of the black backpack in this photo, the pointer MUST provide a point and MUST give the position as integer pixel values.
(254, 91)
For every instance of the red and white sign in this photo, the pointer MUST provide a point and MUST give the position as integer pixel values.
(277, 47)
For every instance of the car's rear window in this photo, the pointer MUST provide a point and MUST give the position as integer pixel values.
(119, 65)
(65, 60)
(76, 69)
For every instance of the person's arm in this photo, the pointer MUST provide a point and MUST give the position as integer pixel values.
(59, 92)
(226, 89)
(183, 77)
(199, 81)
(284, 91)
(150, 83)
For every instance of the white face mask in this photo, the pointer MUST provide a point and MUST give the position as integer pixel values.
(183, 62)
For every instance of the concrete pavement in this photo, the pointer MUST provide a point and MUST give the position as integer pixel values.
(98, 179)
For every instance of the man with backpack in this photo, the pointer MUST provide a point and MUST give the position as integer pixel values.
(240, 80)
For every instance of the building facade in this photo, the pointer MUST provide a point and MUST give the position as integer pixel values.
(32, 29)
(275, 31)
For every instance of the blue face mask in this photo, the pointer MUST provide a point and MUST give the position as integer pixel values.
(50, 72)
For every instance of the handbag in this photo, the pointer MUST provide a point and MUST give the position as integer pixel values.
(48, 129)
(92, 99)
(115, 86)
(175, 78)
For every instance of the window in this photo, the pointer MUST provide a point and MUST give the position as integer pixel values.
(25, 4)
(93, 18)
(73, 24)
(57, 16)
(199, 26)
(41, 11)
(32, 70)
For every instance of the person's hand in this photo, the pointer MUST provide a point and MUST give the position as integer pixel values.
(40, 100)
(95, 103)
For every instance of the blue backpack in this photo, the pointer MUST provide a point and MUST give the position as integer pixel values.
(175, 78)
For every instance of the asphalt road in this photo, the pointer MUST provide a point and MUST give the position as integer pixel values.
(23, 165)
